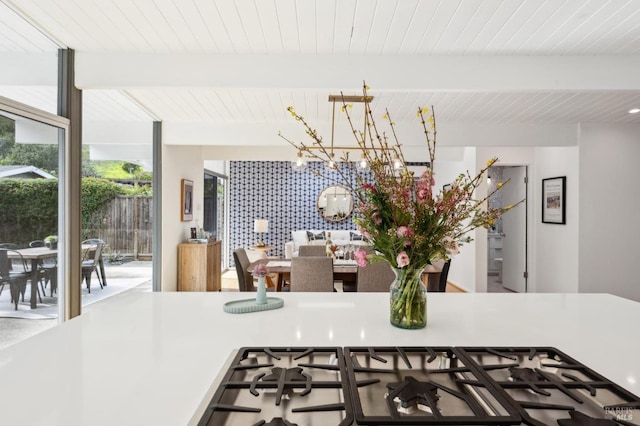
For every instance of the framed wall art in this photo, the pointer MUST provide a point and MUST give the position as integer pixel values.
(186, 200)
(554, 205)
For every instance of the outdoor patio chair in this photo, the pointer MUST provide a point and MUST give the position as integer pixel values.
(90, 261)
(47, 270)
(16, 279)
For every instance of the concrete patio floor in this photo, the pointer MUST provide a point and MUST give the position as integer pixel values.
(13, 330)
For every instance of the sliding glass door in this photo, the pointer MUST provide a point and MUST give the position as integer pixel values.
(32, 145)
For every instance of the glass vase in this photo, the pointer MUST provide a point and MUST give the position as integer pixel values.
(408, 299)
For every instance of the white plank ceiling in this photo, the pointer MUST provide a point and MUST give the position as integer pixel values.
(391, 30)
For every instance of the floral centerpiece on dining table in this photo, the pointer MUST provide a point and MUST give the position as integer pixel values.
(408, 223)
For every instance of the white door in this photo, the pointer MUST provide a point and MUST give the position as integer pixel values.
(514, 227)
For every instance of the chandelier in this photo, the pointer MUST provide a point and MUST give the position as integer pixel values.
(372, 146)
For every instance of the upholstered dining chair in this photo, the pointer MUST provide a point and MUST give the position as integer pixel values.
(245, 279)
(375, 277)
(242, 259)
(310, 250)
(311, 273)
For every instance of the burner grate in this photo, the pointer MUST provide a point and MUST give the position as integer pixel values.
(281, 386)
(424, 385)
(352, 386)
(549, 387)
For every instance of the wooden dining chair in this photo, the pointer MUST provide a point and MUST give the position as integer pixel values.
(311, 273)
(375, 277)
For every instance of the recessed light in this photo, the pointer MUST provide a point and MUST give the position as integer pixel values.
(634, 110)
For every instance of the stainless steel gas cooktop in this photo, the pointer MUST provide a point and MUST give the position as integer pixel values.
(416, 386)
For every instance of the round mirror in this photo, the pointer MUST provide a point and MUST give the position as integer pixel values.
(335, 203)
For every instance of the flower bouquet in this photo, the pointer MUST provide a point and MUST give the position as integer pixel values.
(408, 224)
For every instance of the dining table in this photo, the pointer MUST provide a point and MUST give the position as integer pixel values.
(343, 269)
(39, 254)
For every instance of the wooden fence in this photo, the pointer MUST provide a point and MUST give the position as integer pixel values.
(126, 226)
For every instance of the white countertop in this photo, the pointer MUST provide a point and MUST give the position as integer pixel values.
(153, 359)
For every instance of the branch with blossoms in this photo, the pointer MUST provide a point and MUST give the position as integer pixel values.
(318, 145)
(406, 222)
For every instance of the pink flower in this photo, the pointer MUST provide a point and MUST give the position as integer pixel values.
(260, 270)
(377, 219)
(422, 194)
(427, 177)
(361, 257)
(404, 231)
(402, 259)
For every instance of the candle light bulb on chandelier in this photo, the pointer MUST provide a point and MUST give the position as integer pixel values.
(397, 163)
(332, 164)
(362, 164)
(300, 163)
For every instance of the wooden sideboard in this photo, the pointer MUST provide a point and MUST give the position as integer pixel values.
(199, 266)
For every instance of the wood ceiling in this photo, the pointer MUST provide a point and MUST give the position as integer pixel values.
(478, 61)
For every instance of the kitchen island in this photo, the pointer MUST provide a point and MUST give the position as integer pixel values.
(155, 358)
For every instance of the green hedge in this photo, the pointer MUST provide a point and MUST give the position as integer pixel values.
(29, 207)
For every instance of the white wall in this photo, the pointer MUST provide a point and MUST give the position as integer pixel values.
(556, 246)
(180, 162)
(463, 265)
(609, 205)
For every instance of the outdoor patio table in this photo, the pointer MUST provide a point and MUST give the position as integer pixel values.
(38, 254)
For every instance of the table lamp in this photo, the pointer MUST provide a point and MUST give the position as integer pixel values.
(260, 226)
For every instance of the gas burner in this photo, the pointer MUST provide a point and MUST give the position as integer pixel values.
(581, 419)
(530, 377)
(525, 374)
(290, 374)
(285, 379)
(412, 394)
(276, 421)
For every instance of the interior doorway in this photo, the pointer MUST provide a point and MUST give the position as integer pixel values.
(507, 239)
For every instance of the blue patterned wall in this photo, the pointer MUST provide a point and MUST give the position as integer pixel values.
(272, 190)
